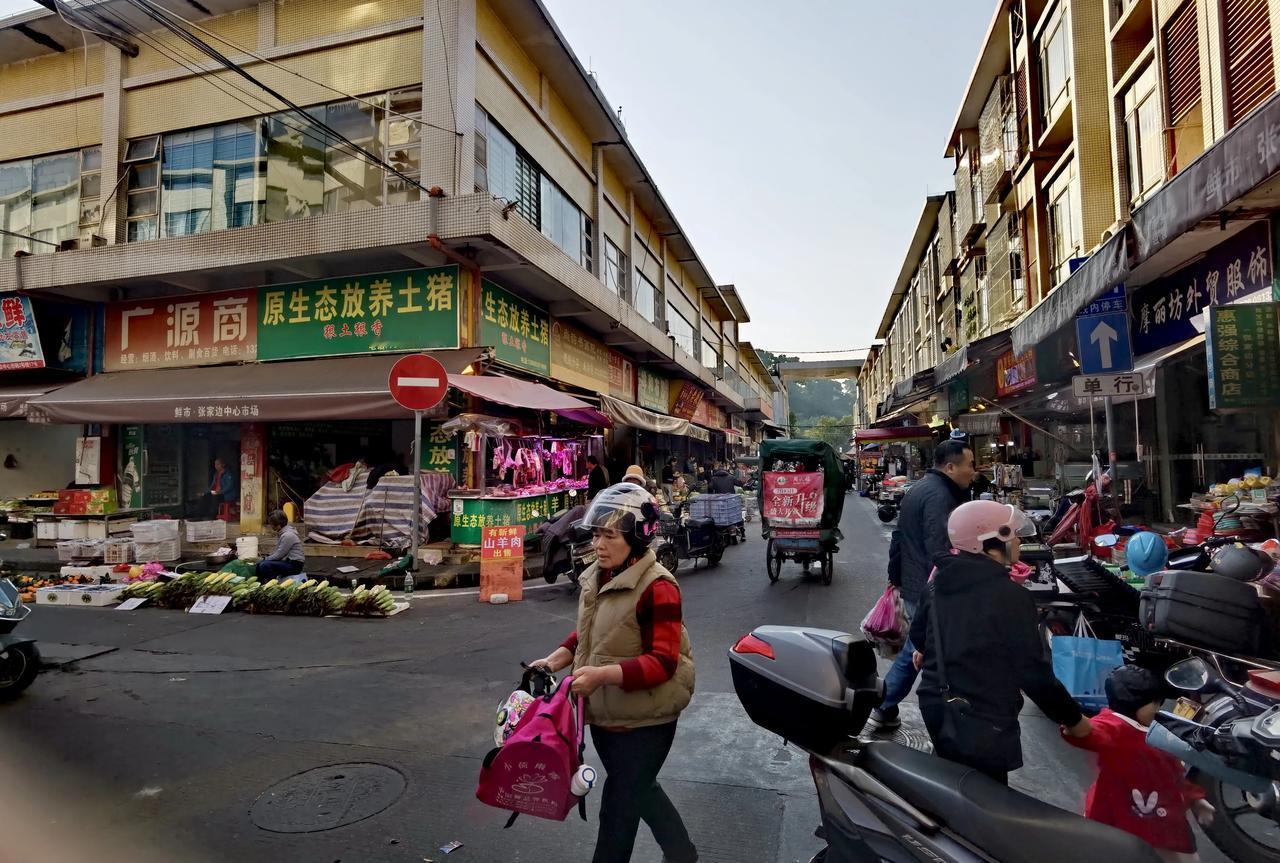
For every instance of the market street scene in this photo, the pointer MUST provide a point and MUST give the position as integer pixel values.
(543, 430)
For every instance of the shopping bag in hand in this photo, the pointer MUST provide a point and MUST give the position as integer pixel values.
(886, 624)
(1083, 662)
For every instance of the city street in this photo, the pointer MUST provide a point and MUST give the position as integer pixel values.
(163, 741)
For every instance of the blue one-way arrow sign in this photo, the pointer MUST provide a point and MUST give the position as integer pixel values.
(1102, 338)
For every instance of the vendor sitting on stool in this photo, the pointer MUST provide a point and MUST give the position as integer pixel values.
(223, 489)
(288, 558)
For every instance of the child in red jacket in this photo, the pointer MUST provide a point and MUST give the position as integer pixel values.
(1139, 789)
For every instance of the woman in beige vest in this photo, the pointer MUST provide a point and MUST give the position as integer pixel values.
(633, 667)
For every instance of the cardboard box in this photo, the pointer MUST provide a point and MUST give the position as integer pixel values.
(81, 595)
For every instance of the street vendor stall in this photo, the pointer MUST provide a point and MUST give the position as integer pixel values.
(879, 447)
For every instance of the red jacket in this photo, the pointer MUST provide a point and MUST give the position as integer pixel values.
(1139, 789)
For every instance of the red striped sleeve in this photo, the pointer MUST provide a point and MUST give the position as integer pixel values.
(660, 615)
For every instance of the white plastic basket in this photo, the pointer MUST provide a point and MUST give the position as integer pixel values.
(69, 550)
(206, 531)
(155, 531)
(116, 551)
(165, 551)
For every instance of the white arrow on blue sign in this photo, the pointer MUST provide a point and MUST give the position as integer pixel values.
(1102, 337)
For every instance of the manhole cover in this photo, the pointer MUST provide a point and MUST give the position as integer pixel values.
(327, 797)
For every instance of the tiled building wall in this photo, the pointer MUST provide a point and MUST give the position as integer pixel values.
(1091, 104)
(299, 20)
(52, 73)
(160, 50)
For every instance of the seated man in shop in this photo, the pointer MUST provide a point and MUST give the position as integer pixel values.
(224, 489)
(289, 557)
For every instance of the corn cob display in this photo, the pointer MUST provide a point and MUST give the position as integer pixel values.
(378, 602)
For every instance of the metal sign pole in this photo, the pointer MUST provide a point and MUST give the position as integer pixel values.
(417, 490)
(1111, 440)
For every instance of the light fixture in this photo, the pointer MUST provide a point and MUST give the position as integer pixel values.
(1051, 396)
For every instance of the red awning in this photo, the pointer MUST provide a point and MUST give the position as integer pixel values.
(889, 434)
(516, 393)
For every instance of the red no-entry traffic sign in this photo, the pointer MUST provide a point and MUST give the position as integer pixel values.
(418, 382)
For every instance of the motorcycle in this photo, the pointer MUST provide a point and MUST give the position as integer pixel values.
(890, 497)
(882, 802)
(19, 655)
(682, 537)
(1229, 734)
(566, 546)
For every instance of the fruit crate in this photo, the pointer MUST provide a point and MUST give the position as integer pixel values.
(206, 531)
(164, 551)
(117, 551)
(155, 531)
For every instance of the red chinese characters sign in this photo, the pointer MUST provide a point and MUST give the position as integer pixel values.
(622, 377)
(792, 499)
(180, 331)
(1015, 374)
(686, 398)
(502, 562)
(19, 340)
(502, 543)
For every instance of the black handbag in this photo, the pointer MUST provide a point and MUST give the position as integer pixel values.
(966, 735)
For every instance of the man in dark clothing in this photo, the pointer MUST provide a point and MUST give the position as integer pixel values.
(669, 472)
(721, 482)
(598, 479)
(991, 651)
(922, 528)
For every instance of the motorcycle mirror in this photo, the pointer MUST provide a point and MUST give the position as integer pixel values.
(1106, 540)
(1189, 675)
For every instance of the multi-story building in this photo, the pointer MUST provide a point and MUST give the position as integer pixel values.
(288, 180)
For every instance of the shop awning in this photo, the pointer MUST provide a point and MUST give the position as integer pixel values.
(339, 388)
(1107, 268)
(982, 350)
(13, 399)
(891, 434)
(627, 414)
(531, 395)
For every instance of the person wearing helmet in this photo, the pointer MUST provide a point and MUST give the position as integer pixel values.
(1146, 553)
(1129, 770)
(972, 621)
(633, 667)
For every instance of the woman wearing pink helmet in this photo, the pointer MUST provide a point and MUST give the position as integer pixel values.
(982, 646)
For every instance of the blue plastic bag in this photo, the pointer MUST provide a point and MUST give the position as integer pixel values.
(1083, 663)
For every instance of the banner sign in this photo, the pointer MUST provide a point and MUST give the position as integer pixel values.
(686, 398)
(502, 562)
(517, 331)
(1233, 271)
(578, 359)
(652, 391)
(1015, 373)
(793, 499)
(406, 311)
(439, 450)
(1243, 345)
(622, 377)
(19, 340)
(200, 330)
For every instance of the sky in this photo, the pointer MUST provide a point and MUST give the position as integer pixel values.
(795, 142)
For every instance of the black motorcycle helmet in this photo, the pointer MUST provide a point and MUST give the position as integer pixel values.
(1239, 562)
(886, 513)
(627, 508)
(1131, 687)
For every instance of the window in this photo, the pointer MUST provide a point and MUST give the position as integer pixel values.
(506, 172)
(564, 224)
(1055, 67)
(55, 199)
(142, 149)
(90, 194)
(645, 299)
(679, 328)
(15, 206)
(1182, 61)
(1064, 224)
(615, 268)
(1017, 281)
(402, 139)
(1250, 66)
(1143, 131)
(351, 181)
(211, 179)
(710, 356)
(41, 199)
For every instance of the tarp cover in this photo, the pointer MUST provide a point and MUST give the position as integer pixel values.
(627, 414)
(813, 453)
(382, 515)
(340, 388)
(890, 434)
(516, 393)
(13, 399)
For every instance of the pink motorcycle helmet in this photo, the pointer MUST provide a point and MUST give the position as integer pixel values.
(972, 524)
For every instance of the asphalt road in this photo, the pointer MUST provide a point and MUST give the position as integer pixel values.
(162, 740)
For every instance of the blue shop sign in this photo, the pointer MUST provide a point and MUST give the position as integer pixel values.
(1233, 271)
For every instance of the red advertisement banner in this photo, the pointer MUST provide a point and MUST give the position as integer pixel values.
(792, 499)
(622, 377)
(200, 330)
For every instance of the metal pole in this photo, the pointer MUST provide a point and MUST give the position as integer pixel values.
(417, 490)
(1111, 441)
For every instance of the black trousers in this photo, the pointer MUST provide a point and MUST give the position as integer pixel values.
(631, 760)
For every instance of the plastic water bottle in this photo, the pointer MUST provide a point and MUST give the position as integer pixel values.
(408, 584)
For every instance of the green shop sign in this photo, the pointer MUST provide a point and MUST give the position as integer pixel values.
(1243, 343)
(519, 332)
(405, 311)
(439, 450)
(472, 514)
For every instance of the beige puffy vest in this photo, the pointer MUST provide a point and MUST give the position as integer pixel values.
(608, 633)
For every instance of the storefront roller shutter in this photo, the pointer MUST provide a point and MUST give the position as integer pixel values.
(1182, 61)
(1250, 66)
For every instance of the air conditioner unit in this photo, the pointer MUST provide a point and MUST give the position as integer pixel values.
(69, 245)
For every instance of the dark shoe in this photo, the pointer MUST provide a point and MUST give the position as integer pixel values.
(884, 719)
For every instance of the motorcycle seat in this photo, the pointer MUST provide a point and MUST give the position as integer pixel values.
(700, 523)
(1007, 825)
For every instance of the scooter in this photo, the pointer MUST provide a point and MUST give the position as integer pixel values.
(1229, 734)
(683, 537)
(19, 656)
(882, 802)
(567, 546)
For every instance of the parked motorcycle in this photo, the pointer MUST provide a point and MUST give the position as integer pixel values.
(1229, 733)
(682, 537)
(19, 656)
(567, 547)
(881, 801)
(890, 498)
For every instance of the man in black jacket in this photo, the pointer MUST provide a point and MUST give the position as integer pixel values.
(721, 481)
(983, 650)
(922, 529)
(597, 479)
